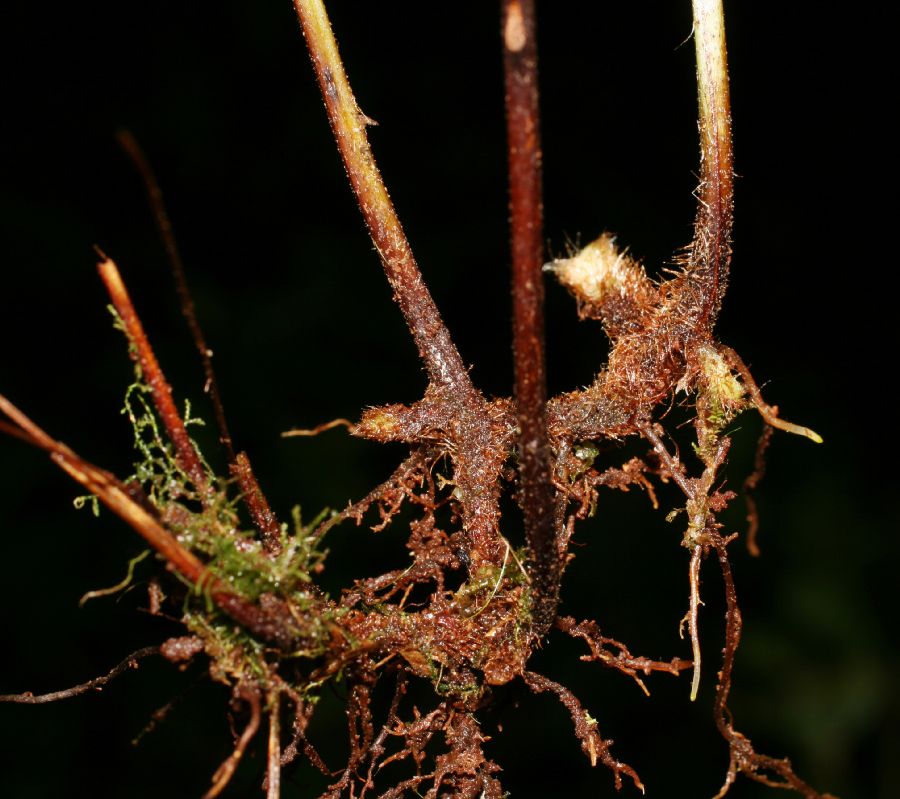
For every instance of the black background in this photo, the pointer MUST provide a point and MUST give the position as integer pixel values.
(293, 301)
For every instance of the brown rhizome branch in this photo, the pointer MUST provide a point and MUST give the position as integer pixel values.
(476, 431)
(257, 504)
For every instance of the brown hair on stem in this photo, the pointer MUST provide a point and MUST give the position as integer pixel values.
(524, 149)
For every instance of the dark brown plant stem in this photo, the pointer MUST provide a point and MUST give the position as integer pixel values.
(711, 249)
(438, 352)
(185, 453)
(524, 148)
(263, 518)
(96, 684)
(158, 207)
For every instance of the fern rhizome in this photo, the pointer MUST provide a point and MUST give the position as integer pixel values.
(465, 613)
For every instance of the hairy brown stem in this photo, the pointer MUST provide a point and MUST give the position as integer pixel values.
(158, 207)
(476, 432)
(185, 453)
(436, 349)
(257, 504)
(711, 249)
(96, 684)
(524, 148)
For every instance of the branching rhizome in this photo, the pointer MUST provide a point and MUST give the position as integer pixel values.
(467, 610)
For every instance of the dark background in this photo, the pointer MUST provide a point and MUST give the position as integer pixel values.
(294, 304)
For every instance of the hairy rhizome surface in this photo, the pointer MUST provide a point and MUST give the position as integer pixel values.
(421, 651)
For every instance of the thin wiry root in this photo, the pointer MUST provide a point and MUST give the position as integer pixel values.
(377, 749)
(157, 717)
(693, 627)
(226, 771)
(158, 207)
(303, 711)
(672, 464)
(622, 660)
(768, 412)
(743, 758)
(314, 431)
(585, 729)
(361, 734)
(28, 698)
(119, 586)
(750, 484)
